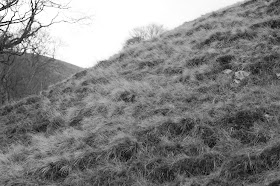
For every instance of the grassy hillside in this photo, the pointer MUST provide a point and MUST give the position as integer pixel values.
(29, 74)
(174, 110)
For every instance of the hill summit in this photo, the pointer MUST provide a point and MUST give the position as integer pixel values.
(197, 106)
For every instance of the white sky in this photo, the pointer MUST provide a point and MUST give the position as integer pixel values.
(84, 45)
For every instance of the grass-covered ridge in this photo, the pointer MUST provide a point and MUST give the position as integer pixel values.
(169, 111)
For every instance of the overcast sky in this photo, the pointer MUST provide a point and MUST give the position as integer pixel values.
(84, 45)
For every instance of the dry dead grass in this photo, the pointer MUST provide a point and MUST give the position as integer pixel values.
(161, 112)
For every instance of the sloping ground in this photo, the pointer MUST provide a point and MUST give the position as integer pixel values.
(30, 74)
(170, 111)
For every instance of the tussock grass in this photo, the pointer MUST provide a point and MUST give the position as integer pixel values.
(161, 112)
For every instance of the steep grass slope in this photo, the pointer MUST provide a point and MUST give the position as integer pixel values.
(170, 111)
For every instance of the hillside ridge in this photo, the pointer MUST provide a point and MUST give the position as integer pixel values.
(30, 74)
(197, 106)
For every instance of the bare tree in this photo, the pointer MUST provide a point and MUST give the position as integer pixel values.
(21, 22)
(144, 33)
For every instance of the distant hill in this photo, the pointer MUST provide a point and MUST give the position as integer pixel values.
(197, 106)
(30, 74)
